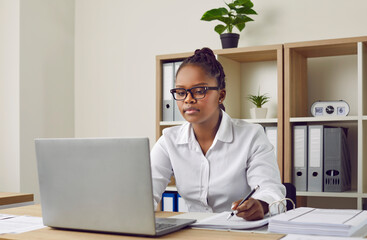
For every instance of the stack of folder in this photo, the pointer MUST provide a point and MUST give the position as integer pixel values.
(321, 159)
(315, 221)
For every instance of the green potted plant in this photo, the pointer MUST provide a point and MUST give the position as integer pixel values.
(258, 100)
(234, 16)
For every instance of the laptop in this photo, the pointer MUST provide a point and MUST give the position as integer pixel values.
(101, 184)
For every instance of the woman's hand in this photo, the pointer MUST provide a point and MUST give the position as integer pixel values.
(252, 209)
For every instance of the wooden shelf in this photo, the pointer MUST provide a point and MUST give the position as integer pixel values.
(251, 54)
(171, 123)
(300, 91)
(171, 188)
(324, 119)
(260, 121)
(13, 198)
(346, 194)
(294, 93)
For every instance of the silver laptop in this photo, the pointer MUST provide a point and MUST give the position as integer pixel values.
(101, 184)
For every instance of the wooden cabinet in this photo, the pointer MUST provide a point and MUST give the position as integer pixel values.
(328, 70)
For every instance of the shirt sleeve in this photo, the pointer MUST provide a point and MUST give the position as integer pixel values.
(263, 170)
(161, 169)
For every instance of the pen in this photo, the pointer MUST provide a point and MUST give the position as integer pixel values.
(246, 198)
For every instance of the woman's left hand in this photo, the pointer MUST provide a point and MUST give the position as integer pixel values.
(252, 209)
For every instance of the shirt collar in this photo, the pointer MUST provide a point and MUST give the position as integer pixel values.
(224, 133)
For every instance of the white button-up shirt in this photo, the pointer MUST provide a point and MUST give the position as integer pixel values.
(240, 158)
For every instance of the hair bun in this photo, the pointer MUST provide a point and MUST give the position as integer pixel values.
(205, 51)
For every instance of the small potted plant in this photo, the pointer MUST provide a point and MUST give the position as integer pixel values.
(258, 100)
(234, 16)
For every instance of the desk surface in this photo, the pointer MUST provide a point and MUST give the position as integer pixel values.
(11, 198)
(188, 233)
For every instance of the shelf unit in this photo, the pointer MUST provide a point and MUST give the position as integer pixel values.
(328, 70)
(246, 70)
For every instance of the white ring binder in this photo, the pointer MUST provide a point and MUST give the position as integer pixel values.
(281, 203)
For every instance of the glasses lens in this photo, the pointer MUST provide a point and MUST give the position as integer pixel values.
(179, 94)
(198, 92)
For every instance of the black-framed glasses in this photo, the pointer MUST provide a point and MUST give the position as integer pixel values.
(180, 94)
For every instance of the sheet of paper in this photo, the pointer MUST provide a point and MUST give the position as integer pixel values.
(195, 215)
(220, 221)
(329, 216)
(19, 224)
(328, 222)
(313, 237)
(4, 216)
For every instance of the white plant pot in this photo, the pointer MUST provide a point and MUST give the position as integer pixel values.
(258, 112)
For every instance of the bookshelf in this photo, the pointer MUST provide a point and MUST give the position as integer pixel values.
(246, 70)
(295, 75)
(328, 70)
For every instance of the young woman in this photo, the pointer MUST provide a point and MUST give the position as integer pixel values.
(216, 160)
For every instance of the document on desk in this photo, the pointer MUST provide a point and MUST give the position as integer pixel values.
(20, 224)
(219, 221)
(313, 237)
(5, 216)
(316, 221)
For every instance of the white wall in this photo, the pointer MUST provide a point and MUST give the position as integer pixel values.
(46, 79)
(36, 84)
(116, 42)
(9, 96)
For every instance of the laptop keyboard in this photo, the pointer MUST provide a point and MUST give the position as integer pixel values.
(161, 226)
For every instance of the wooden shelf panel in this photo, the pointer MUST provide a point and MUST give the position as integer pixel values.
(171, 123)
(263, 120)
(173, 57)
(330, 50)
(251, 54)
(330, 47)
(346, 194)
(324, 119)
(12, 198)
(171, 188)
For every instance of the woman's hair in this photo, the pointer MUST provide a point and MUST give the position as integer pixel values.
(206, 59)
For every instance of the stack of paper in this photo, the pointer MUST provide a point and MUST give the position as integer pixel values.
(19, 224)
(219, 221)
(331, 222)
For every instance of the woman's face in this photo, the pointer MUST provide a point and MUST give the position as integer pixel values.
(199, 110)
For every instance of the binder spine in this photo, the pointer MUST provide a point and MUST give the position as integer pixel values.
(315, 158)
(336, 160)
(300, 172)
(272, 134)
(176, 112)
(167, 101)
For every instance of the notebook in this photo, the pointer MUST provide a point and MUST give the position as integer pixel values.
(101, 184)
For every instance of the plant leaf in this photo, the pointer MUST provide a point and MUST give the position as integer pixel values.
(231, 6)
(226, 20)
(258, 100)
(244, 3)
(245, 10)
(242, 19)
(220, 28)
(214, 14)
(240, 26)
